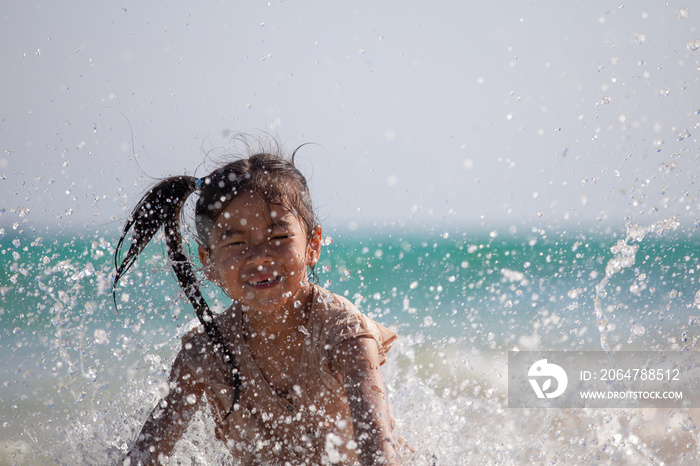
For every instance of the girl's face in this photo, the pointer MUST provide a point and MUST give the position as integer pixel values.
(258, 253)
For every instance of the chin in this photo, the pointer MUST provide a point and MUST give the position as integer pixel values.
(257, 303)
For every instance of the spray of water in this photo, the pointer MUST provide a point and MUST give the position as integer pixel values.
(624, 257)
(98, 377)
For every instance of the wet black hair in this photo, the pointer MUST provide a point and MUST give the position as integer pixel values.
(273, 177)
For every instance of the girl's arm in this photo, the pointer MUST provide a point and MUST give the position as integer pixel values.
(357, 359)
(168, 421)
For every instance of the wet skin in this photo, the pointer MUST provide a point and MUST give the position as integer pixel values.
(258, 254)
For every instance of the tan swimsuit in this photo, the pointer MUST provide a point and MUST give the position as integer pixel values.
(312, 425)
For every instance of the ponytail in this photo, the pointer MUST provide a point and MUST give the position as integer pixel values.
(162, 203)
(160, 208)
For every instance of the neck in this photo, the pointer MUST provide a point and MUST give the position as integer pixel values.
(281, 322)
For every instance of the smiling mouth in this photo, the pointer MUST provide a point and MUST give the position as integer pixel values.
(265, 283)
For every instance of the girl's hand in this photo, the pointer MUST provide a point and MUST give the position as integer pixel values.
(357, 360)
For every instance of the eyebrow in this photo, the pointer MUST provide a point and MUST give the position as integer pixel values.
(231, 231)
(281, 223)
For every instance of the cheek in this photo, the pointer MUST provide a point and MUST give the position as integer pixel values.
(299, 255)
(228, 265)
(288, 255)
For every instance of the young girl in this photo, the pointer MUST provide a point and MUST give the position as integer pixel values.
(290, 371)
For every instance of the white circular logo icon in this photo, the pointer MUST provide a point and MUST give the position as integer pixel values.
(546, 372)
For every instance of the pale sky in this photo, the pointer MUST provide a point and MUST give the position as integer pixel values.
(556, 114)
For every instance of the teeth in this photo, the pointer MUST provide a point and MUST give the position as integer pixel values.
(267, 280)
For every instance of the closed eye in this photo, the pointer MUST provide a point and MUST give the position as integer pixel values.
(279, 238)
(235, 243)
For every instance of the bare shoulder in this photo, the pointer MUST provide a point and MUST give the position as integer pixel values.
(193, 341)
(196, 341)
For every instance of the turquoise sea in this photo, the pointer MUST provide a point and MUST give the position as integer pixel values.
(79, 376)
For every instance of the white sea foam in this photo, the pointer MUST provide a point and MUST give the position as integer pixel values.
(81, 381)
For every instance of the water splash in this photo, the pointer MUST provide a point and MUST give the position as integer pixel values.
(624, 257)
(88, 378)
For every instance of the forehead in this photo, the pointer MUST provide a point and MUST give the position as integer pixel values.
(249, 211)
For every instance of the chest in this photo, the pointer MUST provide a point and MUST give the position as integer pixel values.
(280, 362)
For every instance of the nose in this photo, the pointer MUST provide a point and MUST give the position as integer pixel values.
(259, 254)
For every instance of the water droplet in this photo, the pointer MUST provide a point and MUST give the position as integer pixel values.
(162, 389)
(101, 337)
(604, 101)
(297, 304)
